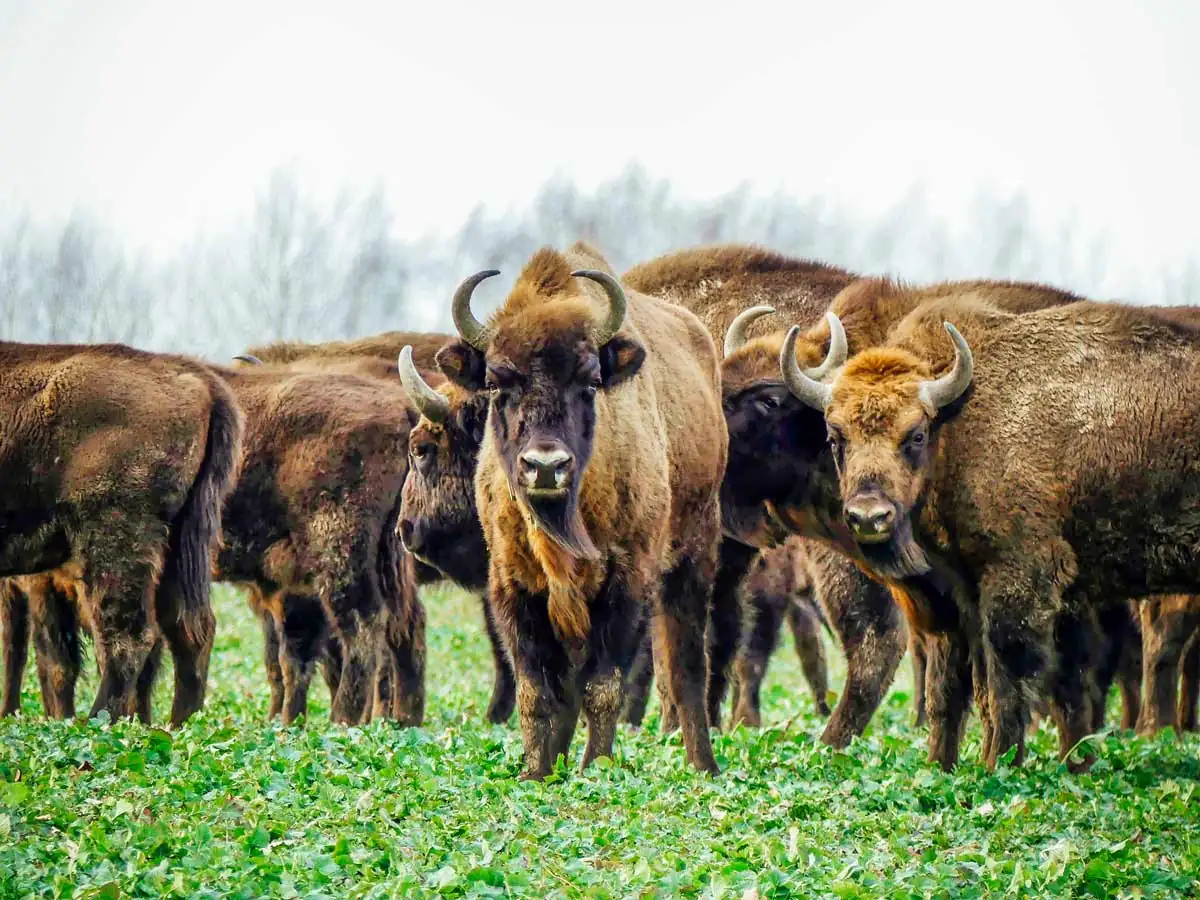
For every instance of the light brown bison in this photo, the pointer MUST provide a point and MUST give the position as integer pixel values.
(310, 527)
(597, 486)
(1171, 632)
(115, 464)
(1012, 482)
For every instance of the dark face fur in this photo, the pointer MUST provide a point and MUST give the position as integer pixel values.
(542, 415)
(439, 522)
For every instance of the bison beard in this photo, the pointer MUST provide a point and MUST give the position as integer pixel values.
(559, 519)
(899, 558)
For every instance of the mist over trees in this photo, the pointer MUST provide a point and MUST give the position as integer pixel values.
(299, 268)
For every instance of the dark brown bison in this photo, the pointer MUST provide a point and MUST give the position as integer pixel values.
(597, 486)
(310, 527)
(115, 464)
(717, 283)
(778, 588)
(451, 552)
(46, 607)
(1010, 484)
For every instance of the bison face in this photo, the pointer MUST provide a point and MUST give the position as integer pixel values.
(541, 370)
(439, 522)
(881, 415)
(775, 442)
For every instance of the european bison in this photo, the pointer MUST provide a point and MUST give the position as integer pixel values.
(717, 283)
(597, 486)
(115, 464)
(310, 527)
(1014, 488)
(461, 556)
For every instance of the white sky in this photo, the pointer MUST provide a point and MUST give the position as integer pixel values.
(164, 117)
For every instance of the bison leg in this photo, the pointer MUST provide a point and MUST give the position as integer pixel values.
(916, 647)
(948, 688)
(504, 686)
(679, 643)
(1167, 627)
(872, 636)
(124, 638)
(1079, 648)
(724, 628)
(1016, 603)
(601, 706)
(146, 682)
(271, 661)
(1189, 689)
(14, 616)
(58, 649)
(806, 635)
(302, 636)
(190, 634)
(766, 609)
(331, 664)
(1120, 640)
(406, 651)
(636, 690)
(1129, 672)
(547, 702)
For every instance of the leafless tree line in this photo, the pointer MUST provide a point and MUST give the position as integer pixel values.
(299, 268)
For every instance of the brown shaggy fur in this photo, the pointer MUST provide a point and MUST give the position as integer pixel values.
(1086, 411)
(310, 527)
(718, 283)
(639, 534)
(115, 466)
(385, 347)
(460, 556)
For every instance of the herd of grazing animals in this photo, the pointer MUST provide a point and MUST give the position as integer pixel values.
(642, 477)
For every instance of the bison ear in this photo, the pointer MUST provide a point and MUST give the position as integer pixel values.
(620, 359)
(462, 364)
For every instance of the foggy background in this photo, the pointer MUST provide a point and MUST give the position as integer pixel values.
(200, 179)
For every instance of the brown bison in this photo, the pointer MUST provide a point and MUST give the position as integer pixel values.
(46, 607)
(459, 553)
(1010, 484)
(597, 486)
(1171, 631)
(717, 283)
(115, 464)
(778, 587)
(439, 517)
(310, 528)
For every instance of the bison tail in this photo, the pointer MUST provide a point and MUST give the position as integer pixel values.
(196, 531)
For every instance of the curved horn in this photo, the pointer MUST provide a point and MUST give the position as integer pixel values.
(247, 358)
(838, 349)
(812, 392)
(617, 303)
(945, 390)
(470, 329)
(735, 337)
(428, 402)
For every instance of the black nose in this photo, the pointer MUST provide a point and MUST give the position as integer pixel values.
(411, 536)
(871, 518)
(546, 467)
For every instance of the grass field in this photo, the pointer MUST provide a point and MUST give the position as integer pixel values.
(231, 807)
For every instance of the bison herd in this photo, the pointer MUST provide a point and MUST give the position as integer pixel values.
(1002, 479)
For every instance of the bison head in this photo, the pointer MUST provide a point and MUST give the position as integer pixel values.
(881, 414)
(774, 438)
(541, 364)
(439, 522)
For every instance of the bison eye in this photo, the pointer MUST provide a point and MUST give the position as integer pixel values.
(765, 404)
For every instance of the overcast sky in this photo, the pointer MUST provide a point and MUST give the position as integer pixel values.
(164, 117)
